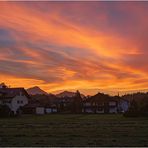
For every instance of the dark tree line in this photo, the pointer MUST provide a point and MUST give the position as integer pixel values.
(138, 107)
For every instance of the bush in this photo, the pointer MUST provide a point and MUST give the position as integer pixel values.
(131, 114)
(133, 110)
(4, 111)
(139, 109)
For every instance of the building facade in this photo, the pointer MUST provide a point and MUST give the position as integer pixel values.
(14, 98)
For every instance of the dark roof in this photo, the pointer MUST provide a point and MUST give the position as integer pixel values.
(104, 98)
(38, 104)
(100, 97)
(32, 105)
(12, 92)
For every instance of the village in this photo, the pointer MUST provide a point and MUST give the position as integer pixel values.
(73, 73)
(36, 118)
(16, 101)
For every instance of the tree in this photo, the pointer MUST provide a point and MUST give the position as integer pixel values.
(143, 107)
(76, 106)
(133, 110)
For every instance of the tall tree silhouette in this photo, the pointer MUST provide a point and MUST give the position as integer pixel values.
(77, 103)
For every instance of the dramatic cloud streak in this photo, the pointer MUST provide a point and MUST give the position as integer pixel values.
(74, 45)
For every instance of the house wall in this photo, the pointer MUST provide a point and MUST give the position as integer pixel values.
(51, 110)
(54, 110)
(113, 110)
(17, 102)
(48, 110)
(87, 104)
(40, 110)
(112, 103)
(88, 110)
(109, 107)
(124, 105)
(100, 111)
(6, 102)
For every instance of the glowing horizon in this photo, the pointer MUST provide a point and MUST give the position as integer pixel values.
(74, 45)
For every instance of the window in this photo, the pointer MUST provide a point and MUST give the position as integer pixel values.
(112, 103)
(87, 104)
(100, 104)
(20, 102)
(100, 108)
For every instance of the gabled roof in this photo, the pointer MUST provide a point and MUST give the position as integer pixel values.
(100, 97)
(32, 105)
(12, 92)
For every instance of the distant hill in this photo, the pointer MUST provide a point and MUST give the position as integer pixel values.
(67, 94)
(36, 90)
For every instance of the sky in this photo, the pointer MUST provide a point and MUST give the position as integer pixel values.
(87, 46)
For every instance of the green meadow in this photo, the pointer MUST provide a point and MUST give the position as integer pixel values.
(73, 130)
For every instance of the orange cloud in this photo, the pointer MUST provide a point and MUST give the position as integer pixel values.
(49, 49)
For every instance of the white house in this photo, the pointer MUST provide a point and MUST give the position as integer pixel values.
(40, 110)
(99, 104)
(14, 98)
(123, 105)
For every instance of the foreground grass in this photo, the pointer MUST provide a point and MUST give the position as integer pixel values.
(73, 130)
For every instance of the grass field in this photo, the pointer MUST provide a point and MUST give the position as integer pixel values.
(73, 130)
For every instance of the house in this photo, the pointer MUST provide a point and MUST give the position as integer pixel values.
(70, 104)
(99, 103)
(29, 108)
(102, 103)
(123, 105)
(40, 108)
(52, 108)
(64, 104)
(87, 107)
(14, 98)
(113, 105)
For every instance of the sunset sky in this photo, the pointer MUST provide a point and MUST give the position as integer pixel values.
(74, 45)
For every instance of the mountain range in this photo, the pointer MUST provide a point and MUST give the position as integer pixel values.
(67, 94)
(37, 90)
